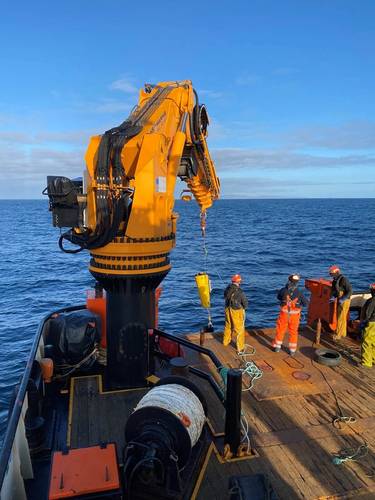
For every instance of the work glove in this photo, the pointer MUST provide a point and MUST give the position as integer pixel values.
(332, 299)
(341, 301)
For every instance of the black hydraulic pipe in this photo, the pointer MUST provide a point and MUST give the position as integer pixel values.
(190, 345)
(233, 410)
(210, 380)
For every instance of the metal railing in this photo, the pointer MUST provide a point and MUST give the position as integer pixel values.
(15, 411)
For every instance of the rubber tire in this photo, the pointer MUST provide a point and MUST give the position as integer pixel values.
(328, 357)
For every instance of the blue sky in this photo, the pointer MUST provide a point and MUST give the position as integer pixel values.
(289, 87)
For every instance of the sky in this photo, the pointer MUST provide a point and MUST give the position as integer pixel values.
(289, 87)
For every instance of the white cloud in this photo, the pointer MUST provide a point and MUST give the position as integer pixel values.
(268, 187)
(10, 137)
(210, 94)
(77, 137)
(27, 158)
(230, 159)
(112, 106)
(247, 80)
(125, 84)
(23, 173)
(105, 106)
(356, 134)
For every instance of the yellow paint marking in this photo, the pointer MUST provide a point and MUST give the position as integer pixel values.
(153, 379)
(202, 472)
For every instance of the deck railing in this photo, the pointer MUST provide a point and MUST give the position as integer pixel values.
(15, 462)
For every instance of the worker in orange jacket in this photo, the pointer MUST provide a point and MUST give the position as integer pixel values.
(291, 302)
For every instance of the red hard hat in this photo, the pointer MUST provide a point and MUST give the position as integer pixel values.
(372, 286)
(334, 269)
(236, 278)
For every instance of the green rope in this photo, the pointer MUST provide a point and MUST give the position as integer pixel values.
(223, 372)
(350, 454)
(254, 373)
(247, 368)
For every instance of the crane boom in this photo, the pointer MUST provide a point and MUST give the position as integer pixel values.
(124, 213)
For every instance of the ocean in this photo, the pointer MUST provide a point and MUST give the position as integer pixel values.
(263, 240)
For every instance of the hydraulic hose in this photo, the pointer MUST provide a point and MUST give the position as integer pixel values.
(99, 238)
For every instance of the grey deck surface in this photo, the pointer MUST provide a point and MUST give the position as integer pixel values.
(99, 417)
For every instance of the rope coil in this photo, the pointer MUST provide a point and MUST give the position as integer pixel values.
(350, 454)
(247, 368)
(68, 369)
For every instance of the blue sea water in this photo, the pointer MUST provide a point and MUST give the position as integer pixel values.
(263, 240)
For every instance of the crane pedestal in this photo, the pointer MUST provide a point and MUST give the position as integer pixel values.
(131, 313)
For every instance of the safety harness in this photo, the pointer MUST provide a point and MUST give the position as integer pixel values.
(291, 306)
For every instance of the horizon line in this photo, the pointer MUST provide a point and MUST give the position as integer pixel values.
(240, 198)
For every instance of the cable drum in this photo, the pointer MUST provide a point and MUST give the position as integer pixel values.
(180, 401)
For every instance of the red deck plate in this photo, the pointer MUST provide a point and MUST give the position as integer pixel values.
(83, 471)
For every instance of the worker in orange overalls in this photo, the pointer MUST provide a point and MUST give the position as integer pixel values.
(291, 302)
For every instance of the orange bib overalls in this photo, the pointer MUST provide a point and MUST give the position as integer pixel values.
(289, 318)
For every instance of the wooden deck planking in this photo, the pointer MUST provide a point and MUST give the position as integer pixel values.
(294, 435)
(100, 417)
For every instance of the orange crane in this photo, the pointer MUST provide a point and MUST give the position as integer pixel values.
(122, 212)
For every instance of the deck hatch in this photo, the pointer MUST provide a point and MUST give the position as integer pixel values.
(84, 471)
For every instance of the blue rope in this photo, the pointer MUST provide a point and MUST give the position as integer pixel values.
(223, 372)
(350, 454)
(253, 371)
(248, 368)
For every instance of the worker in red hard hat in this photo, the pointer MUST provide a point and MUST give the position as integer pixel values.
(368, 331)
(291, 302)
(235, 306)
(341, 292)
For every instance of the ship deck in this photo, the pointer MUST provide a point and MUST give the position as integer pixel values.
(292, 424)
(291, 412)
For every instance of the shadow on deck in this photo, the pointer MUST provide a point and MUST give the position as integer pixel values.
(291, 420)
